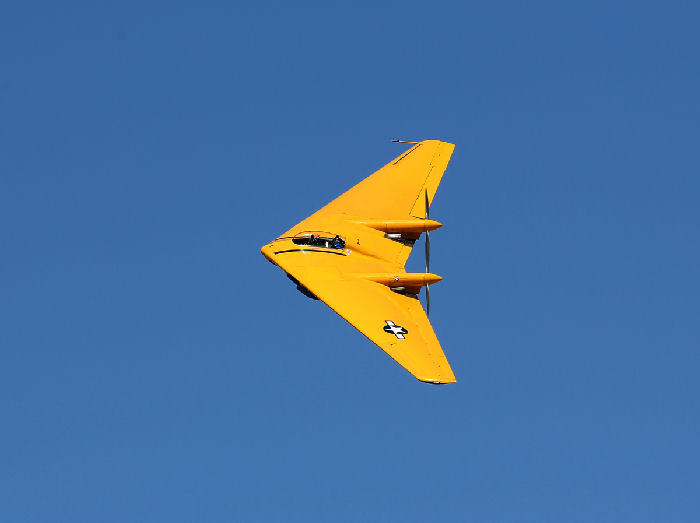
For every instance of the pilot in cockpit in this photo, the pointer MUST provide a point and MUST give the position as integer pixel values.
(338, 242)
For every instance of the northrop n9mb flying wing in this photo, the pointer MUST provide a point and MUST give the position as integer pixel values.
(351, 254)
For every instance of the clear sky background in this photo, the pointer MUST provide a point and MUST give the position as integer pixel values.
(154, 367)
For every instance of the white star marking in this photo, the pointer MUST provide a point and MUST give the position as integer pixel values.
(396, 330)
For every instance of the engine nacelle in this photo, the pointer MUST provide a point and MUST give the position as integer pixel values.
(403, 282)
(411, 228)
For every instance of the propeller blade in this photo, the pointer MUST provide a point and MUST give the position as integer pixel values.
(427, 233)
(427, 254)
(427, 251)
(427, 300)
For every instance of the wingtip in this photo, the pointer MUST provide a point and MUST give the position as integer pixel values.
(439, 381)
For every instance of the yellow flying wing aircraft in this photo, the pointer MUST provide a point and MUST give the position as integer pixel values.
(351, 254)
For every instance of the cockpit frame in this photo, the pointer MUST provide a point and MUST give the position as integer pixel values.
(321, 239)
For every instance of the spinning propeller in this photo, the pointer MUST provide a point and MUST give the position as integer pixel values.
(427, 253)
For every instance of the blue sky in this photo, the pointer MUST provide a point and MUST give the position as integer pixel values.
(153, 363)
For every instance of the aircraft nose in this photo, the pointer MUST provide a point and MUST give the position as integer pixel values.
(266, 251)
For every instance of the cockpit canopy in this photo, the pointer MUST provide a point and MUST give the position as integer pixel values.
(322, 239)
